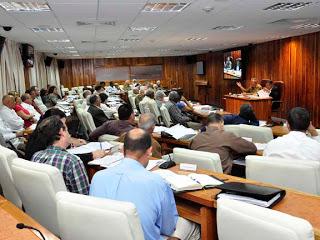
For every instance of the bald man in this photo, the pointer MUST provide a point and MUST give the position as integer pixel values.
(8, 115)
(131, 182)
(147, 122)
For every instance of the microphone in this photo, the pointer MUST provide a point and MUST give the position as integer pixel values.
(22, 226)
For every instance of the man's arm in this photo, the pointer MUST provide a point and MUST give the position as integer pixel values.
(241, 146)
(78, 177)
(169, 214)
(103, 129)
(176, 114)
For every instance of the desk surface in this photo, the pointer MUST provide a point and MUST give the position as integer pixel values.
(295, 203)
(248, 98)
(20, 216)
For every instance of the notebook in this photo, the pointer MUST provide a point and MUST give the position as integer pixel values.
(250, 193)
(193, 181)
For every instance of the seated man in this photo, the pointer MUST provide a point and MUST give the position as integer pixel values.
(10, 137)
(139, 98)
(246, 116)
(153, 198)
(252, 89)
(57, 139)
(296, 144)
(177, 116)
(95, 110)
(149, 97)
(116, 127)
(271, 90)
(226, 144)
(147, 122)
(159, 97)
(111, 89)
(109, 112)
(9, 116)
(37, 100)
(27, 104)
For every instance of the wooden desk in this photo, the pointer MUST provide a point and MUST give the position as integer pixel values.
(200, 206)
(20, 216)
(261, 106)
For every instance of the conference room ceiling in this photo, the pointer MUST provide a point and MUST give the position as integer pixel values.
(120, 28)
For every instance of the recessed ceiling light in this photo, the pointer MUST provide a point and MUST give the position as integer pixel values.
(129, 39)
(47, 29)
(25, 7)
(133, 29)
(76, 55)
(227, 28)
(196, 38)
(165, 7)
(59, 41)
(69, 47)
(306, 25)
(73, 51)
(287, 6)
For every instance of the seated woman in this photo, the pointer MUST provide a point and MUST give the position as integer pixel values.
(246, 116)
(27, 117)
(35, 144)
(52, 97)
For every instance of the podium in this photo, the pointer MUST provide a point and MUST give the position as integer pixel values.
(261, 106)
(201, 91)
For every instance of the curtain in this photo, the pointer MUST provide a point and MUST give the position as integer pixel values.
(11, 69)
(53, 75)
(38, 73)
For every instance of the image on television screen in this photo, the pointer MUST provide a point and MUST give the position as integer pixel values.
(232, 65)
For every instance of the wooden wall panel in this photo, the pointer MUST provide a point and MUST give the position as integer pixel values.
(295, 61)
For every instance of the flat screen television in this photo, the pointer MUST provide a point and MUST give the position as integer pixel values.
(233, 65)
(200, 68)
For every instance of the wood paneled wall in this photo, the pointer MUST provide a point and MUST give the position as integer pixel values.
(295, 61)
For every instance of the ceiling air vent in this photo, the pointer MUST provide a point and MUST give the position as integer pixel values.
(96, 23)
(165, 7)
(288, 6)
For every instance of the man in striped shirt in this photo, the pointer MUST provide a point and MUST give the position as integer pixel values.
(57, 139)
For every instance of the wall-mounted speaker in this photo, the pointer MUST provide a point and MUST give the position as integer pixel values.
(191, 59)
(2, 40)
(200, 68)
(48, 61)
(60, 64)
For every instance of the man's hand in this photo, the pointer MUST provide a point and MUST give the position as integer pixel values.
(100, 154)
(312, 130)
(76, 142)
(239, 85)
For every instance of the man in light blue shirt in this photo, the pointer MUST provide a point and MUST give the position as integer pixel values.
(153, 198)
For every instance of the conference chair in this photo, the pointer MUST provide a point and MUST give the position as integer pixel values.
(203, 160)
(132, 101)
(276, 104)
(107, 138)
(8, 188)
(155, 111)
(108, 219)
(258, 134)
(239, 220)
(302, 175)
(79, 112)
(88, 121)
(37, 185)
(165, 116)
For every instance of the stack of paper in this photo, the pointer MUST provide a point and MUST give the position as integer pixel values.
(90, 147)
(108, 161)
(178, 131)
(153, 163)
(159, 129)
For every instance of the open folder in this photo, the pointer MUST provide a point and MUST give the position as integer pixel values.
(193, 181)
(250, 193)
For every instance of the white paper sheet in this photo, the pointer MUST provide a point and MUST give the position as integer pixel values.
(90, 147)
(153, 163)
(108, 161)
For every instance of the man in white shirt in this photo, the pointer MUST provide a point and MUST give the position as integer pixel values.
(296, 144)
(9, 115)
(27, 104)
(148, 98)
(8, 135)
(37, 101)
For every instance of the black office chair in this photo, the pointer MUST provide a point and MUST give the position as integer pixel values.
(276, 94)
